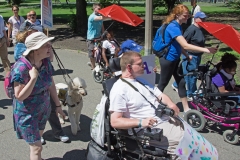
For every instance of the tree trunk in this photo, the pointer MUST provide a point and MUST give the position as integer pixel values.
(81, 16)
(170, 4)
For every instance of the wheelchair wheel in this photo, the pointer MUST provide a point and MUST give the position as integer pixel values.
(98, 76)
(228, 138)
(195, 119)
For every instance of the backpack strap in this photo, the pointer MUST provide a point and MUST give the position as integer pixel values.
(25, 61)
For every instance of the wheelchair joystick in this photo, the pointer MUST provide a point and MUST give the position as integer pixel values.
(154, 133)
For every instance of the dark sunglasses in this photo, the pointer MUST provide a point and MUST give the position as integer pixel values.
(15, 10)
(32, 15)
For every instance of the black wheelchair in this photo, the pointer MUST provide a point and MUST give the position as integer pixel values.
(119, 145)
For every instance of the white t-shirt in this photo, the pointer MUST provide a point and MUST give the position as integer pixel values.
(123, 98)
(110, 45)
(16, 24)
(196, 9)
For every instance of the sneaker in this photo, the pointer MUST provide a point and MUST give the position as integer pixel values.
(42, 140)
(174, 88)
(190, 98)
(62, 138)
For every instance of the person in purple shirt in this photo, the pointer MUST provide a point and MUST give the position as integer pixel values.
(224, 79)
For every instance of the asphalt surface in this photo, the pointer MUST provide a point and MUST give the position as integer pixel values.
(75, 63)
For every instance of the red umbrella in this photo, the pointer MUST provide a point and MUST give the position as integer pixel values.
(224, 32)
(121, 14)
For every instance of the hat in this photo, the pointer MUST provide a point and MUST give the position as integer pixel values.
(130, 45)
(27, 26)
(35, 41)
(200, 15)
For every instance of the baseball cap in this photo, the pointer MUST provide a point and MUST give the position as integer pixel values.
(130, 45)
(27, 26)
(35, 41)
(200, 15)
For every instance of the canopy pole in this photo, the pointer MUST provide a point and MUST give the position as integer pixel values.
(109, 26)
(148, 27)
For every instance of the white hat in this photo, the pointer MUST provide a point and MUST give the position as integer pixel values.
(35, 41)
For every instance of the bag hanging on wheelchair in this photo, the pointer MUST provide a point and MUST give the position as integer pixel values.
(95, 152)
(97, 124)
(160, 48)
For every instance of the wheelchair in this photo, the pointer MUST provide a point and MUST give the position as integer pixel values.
(100, 72)
(119, 145)
(212, 107)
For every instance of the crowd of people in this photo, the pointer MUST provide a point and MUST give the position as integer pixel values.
(35, 85)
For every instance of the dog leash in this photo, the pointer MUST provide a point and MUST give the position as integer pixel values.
(62, 68)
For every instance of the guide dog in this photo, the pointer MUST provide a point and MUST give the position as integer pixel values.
(71, 95)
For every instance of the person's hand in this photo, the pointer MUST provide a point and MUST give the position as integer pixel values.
(8, 42)
(60, 111)
(155, 69)
(189, 58)
(212, 50)
(33, 73)
(148, 122)
(175, 108)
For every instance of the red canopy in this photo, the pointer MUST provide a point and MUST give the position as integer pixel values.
(224, 32)
(121, 14)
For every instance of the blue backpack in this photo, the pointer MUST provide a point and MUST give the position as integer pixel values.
(160, 48)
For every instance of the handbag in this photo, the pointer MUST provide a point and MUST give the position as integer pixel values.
(95, 152)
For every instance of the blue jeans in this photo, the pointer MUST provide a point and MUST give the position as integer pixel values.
(191, 80)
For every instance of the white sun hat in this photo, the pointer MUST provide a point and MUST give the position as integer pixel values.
(35, 41)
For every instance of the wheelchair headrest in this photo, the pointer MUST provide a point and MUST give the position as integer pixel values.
(114, 64)
(107, 85)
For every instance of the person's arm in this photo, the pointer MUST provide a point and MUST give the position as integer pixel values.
(104, 56)
(23, 91)
(7, 39)
(167, 101)
(222, 89)
(186, 46)
(116, 51)
(53, 94)
(10, 26)
(101, 18)
(117, 121)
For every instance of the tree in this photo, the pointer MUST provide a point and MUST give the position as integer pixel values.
(81, 16)
(169, 4)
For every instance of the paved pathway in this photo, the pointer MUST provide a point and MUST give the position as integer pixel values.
(13, 149)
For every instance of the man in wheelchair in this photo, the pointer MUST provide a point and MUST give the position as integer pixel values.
(133, 104)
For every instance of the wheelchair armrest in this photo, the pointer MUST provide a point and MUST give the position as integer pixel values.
(223, 94)
(148, 134)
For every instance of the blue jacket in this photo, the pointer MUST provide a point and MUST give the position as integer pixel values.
(18, 50)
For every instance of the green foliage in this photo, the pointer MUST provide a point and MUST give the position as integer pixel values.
(158, 3)
(106, 3)
(16, 2)
(234, 4)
